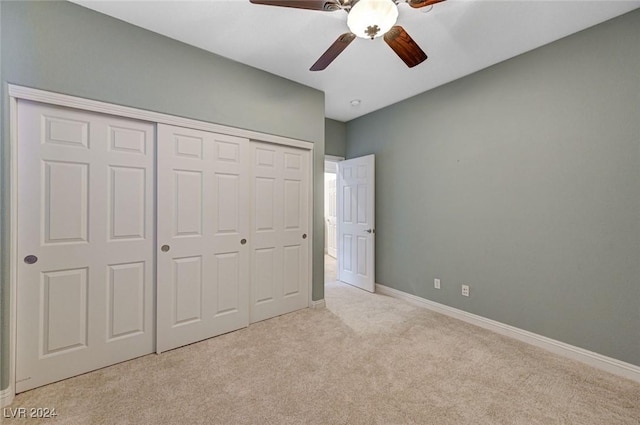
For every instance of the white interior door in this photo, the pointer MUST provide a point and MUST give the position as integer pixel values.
(280, 227)
(85, 242)
(356, 222)
(330, 213)
(203, 226)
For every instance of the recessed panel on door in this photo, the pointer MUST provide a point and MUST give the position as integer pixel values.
(127, 206)
(361, 205)
(125, 296)
(227, 151)
(187, 289)
(293, 161)
(228, 279)
(264, 204)
(362, 255)
(227, 213)
(66, 202)
(264, 276)
(127, 140)
(292, 204)
(66, 131)
(292, 279)
(188, 203)
(347, 250)
(265, 156)
(64, 310)
(188, 146)
(347, 211)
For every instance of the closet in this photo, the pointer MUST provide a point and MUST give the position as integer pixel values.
(136, 237)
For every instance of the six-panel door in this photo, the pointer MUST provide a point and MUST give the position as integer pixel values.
(279, 230)
(356, 217)
(203, 224)
(85, 242)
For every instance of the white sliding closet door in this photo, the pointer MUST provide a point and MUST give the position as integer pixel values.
(280, 227)
(203, 227)
(85, 242)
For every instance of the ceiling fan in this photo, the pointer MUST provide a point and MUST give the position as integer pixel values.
(366, 19)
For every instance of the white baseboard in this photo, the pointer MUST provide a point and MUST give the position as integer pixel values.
(6, 397)
(599, 361)
(318, 304)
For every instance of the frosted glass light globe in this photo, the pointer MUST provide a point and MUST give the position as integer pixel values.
(372, 18)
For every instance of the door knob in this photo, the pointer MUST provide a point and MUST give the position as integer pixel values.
(165, 248)
(304, 236)
(243, 241)
(369, 230)
(30, 259)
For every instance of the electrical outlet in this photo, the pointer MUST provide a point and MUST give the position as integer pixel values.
(436, 283)
(465, 290)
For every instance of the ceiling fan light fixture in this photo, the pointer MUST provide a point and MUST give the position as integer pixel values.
(372, 18)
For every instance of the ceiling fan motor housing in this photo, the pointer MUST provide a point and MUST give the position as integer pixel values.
(372, 18)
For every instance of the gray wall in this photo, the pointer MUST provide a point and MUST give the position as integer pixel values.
(523, 181)
(335, 135)
(62, 47)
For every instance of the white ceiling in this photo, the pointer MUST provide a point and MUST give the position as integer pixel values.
(459, 36)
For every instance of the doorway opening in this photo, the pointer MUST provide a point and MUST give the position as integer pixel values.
(330, 219)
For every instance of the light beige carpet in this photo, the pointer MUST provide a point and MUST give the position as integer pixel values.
(365, 359)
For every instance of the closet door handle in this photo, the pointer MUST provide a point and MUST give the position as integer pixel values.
(165, 248)
(30, 259)
(243, 241)
(304, 236)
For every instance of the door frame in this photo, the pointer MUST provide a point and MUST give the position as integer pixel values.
(331, 166)
(17, 92)
(333, 160)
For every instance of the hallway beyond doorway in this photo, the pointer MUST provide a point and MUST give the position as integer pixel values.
(329, 269)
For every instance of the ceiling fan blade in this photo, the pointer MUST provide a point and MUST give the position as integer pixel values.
(333, 51)
(404, 46)
(422, 3)
(326, 5)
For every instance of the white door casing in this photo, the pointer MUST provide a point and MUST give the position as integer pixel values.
(203, 223)
(280, 227)
(85, 216)
(356, 222)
